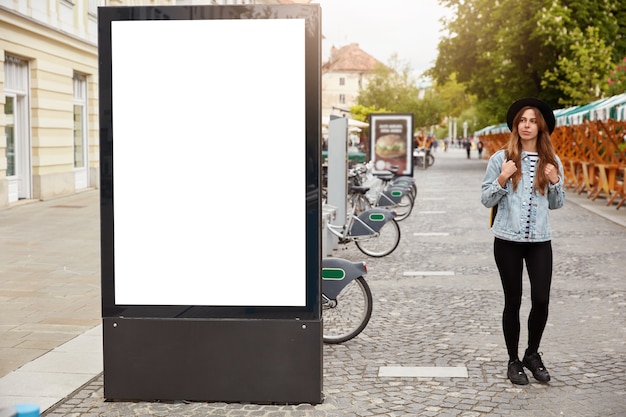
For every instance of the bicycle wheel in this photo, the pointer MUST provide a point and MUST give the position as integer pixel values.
(382, 245)
(430, 161)
(347, 315)
(404, 207)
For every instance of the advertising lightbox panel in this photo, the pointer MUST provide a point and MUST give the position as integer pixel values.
(210, 158)
(391, 142)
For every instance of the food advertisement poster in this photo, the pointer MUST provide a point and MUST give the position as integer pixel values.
(392, 142)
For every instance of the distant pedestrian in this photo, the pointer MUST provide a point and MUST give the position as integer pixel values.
(525, 180)
(479, 147)
(468, 147)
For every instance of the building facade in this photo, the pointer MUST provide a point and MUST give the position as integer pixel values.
(48, 80)
(49, 145)
(343, 75)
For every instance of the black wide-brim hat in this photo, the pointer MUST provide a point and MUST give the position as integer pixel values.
(543, 107)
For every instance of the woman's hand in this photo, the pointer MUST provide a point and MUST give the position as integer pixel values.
(507, 171)
(552, 173)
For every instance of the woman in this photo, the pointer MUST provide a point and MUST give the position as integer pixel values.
(526, 180)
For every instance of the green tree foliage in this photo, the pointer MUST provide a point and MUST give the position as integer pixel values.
(617, 79)
(360, 112)
(559, 50)
(583, 61)
(582, 75)
(391, 88)
(453, 97)
(429, 110)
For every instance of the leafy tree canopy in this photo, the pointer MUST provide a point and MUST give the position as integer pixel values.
(391, 88)
(561, 51)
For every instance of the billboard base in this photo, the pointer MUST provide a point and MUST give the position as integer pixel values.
(214, 360)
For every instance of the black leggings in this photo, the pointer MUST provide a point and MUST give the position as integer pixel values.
(510, 257)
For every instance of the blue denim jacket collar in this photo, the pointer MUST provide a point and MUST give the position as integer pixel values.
(510, 222)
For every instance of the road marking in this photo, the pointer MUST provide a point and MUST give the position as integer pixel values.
(427, 273)
(423, 371)
(432, 234)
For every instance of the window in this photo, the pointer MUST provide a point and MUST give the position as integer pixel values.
(9, 132)
(15, 73)
(342, 80)
(93, 7)
(342, 99)
(17, 128)
(80, 122)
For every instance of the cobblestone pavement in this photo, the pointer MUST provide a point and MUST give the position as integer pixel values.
(453, 319)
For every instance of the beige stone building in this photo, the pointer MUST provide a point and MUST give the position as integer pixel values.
(49, 94)
(343, 75)
(48, 79)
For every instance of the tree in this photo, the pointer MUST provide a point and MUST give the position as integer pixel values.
(391, 88)
(453, 97)
(492, 51)
(360, 112)
(617, 79)
(583, 63)
(560, 51)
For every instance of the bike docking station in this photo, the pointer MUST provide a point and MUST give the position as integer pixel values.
(197, 305)
(337, 177)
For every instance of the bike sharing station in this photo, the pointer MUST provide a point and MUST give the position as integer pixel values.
(201, 300)
(337, 180)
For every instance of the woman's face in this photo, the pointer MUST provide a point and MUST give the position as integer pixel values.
(527, 127)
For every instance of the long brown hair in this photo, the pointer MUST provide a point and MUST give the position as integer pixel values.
(545, 149)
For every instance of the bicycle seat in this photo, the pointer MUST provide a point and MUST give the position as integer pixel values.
(359, 189)
(383, 176)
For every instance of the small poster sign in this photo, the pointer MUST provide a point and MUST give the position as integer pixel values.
(391, 139)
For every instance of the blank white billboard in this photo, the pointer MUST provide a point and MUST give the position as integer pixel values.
(209, 162)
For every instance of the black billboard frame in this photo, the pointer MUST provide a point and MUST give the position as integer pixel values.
(209, 350)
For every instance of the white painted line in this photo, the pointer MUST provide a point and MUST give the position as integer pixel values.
(423, 371)
(428, 273)
(431, 234)
(433, 212)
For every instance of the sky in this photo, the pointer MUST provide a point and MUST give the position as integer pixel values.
(409, 28)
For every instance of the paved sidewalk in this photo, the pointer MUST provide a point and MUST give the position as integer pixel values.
(49, 299)
(437, 304)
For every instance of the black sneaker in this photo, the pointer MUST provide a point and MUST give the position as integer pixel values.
(535, 365)
(516, 373)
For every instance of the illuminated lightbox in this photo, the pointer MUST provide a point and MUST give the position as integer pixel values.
(209, 145)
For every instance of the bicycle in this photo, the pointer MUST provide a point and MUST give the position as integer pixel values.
(386, 190)
(374, 231)
(423, 158)
(346, 300)
(404, 181)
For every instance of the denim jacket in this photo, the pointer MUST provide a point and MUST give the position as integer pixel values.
(510, 221)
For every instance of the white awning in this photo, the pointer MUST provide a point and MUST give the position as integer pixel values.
(351, 123)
